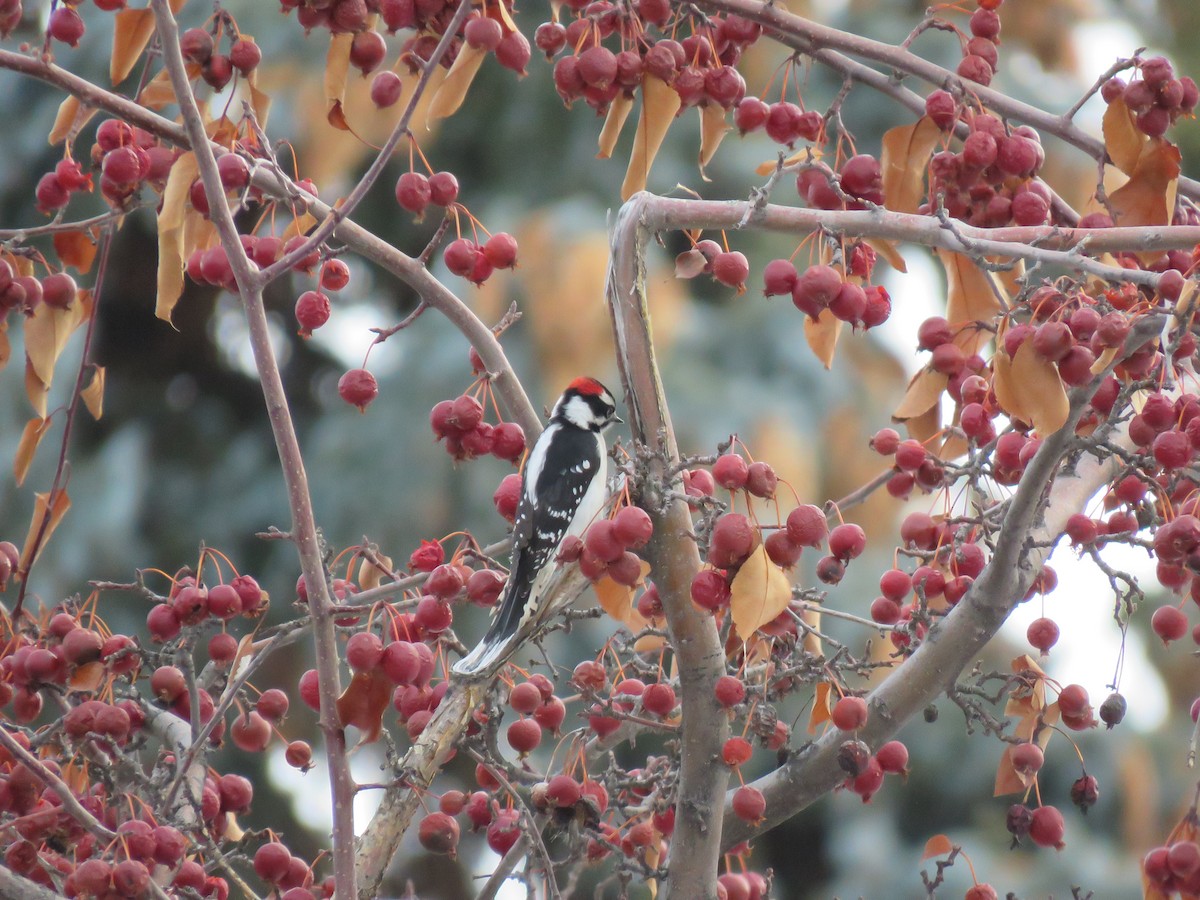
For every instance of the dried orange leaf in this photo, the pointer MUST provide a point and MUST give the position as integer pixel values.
(72, 115)
(451, 93)
(364, 702)
(75, 249)
(1122, 138)
(131, 34)
(888, 250)
(501, 14)
(1042, 395)
(822, 705)
(337, 66)
(690, 263)
(758, 594)
(922, 395)
(905, 157)
(245, 648)
(970, 298)
(46, 516)
(199, 233)
(158, 91)
(1008, 779)
(5, 346)
(260, 102)
(822, 335)
(87, 677)
(938, 845)
(302, 224)
(1030, 697)
(32, 435)
(47, 332)
(170, 234)
(1148, 198)
(925, 427)
(372, 572)
(1104, 360)
(713, 128)
(614, 121)
(804, 154)
(660, 103)
(36, 390)
(93, 394)
(617, 600)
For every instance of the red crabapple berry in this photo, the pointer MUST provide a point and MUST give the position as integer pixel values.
(730, 471)
(806, 525)
(460, 256)
(439, 833)
(358, 387)
(500, 250)
(847, 541)
(1170, 623)
(386, 88)
(1042, 634)
(893, 758)
(1047, 827)
(335, 275)
(849, 713)
(749, 804)
(731, 269)
(1027, 758)
(736, 751)
(413, 194)
(312, 311)
(729, 691)
(779, 277)
(443, 188)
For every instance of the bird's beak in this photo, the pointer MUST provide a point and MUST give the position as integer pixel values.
(617, 420)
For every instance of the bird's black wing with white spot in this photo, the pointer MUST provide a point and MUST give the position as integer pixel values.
(538, 532)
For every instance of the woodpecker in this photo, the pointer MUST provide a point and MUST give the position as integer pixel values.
(563, 488)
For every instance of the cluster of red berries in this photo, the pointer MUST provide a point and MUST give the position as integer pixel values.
(747, 885)
(1156, 99)
(1174, 868)
(727, 267)
(1044, 825)
(980, 57)
(368, 47)
(783, 121)
(290, 875)
(540, 711)
(25, 292)
(459, 423)
(55, 659)
(992, 181)
(700, 68)
(313, 307)
(476, 262)
(212, 266)
(190, 604)
(819, 288)
(859, 185)
(199, 46)
(127, 158)
(607, 547)
(415, 192)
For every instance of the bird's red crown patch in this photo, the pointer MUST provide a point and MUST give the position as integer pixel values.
(588, 386)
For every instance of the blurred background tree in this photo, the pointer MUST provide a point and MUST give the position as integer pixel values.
(184, 453)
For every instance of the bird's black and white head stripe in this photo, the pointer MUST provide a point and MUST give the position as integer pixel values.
(586, 404)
